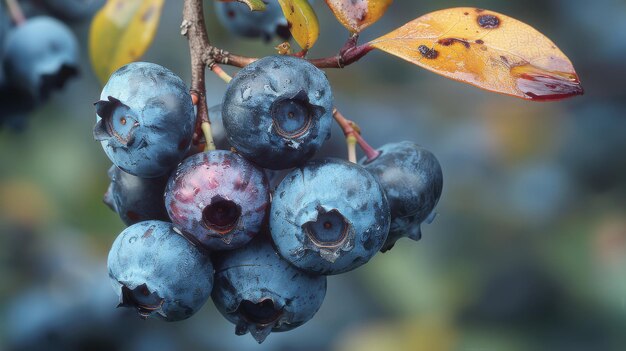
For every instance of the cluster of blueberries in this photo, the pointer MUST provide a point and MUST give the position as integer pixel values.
(38, 54)
(210, 224)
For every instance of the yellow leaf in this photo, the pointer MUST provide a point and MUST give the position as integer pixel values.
(121, 32)
(302, 21)
(359, 14)
(254, 5)
(485, 49)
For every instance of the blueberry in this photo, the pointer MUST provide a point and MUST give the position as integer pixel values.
(412, 179)
(136, 199)
(158, 272)
(73, 10)
(145, 119)
(218, 199)
(277, 111)
(40, 56)
(259, 292)
(330, 216)
(238, 19)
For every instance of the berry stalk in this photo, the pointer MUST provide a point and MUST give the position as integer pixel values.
(351, 141)
(350, 130)
(16, 12)
(221, 73)
(194, 29)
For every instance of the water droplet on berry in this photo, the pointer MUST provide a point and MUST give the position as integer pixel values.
(246, 93)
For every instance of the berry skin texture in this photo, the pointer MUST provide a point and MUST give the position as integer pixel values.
(218, 199)
(413, 181)
(259, 292)
(73, 10)
(136, 199)
(277, 111)
(158, 272)
(329, 217)
(145, 119)
(238, 19)
(40, 56)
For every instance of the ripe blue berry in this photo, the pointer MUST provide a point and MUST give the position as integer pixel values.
(145, 119)
(238, 19)
(158, 272)
(136, 199)
(412, 179)
(218, 199)
(259, 292)
(40, 56)
(73, 10)
(277, 111)
(329, 217)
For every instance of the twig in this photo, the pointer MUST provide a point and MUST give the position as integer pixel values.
(194, 28)
(16, 12)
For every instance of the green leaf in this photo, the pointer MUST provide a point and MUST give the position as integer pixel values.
(121, 32)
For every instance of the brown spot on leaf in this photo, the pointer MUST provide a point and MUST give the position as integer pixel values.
(450, 41)
(488, 21)
(505, 60)
(479, 10)
(480, 42)
(148, 14)
(427, 52)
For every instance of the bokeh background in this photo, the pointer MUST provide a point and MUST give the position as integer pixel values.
(528, 251)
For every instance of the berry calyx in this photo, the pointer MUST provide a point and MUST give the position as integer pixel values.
(140, 267)
(329, 216)
(218, 199)
(277, 111)
(145, 119)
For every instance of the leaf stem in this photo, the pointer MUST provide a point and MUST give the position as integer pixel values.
(351, 130)
(16, 12)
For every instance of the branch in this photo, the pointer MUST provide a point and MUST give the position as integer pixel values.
(194, 28)
(346, 57)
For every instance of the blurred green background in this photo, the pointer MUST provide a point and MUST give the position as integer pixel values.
(528, 251)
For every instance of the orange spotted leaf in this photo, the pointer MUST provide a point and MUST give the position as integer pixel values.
(356, 15)
(302, 20)
(485, 49)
